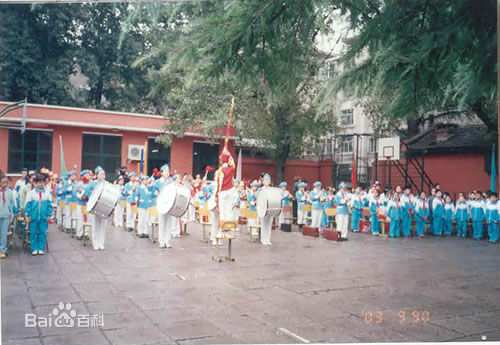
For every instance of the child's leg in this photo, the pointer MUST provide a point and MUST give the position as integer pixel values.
(34, 225)
(4, 228)
(42, 237)
(375, 225)
(406, 225)
(419, 226)
(478, 231)
(447, 227)
(355, 221)
(493, 234)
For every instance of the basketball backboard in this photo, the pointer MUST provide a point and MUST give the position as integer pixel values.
(388, 148)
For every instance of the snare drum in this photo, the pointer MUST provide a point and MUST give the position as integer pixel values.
(103, 199)
(269, 202)
(173, 200)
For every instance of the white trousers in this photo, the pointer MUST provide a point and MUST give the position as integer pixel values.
(59, 214)
(215, 224)
(226, 203)
(300, 215)
(316, 218)
(79, 223)
(143, 226)
(283, 217)
(342, 221)
(252, 222)
(99, 225)
(118, 215)
(236, 213)
(68, 214)
(266, 224)
(165, 228)
(130, 216)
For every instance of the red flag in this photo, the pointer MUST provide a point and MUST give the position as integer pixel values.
(353, 176)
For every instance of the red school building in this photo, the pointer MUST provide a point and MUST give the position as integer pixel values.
(113, 139)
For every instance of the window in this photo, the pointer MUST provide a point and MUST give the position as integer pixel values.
(31, 150)
(346, 118)
(344, 172)
(103, 150)
(346, 144)
(158, 155)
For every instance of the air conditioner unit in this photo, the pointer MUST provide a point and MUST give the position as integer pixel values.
(134, 152)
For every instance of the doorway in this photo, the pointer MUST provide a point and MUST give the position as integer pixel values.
(204, 155)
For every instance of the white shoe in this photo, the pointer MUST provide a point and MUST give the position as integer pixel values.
(162, 245)
(40, 252)
(96, 248)
(168, 245)
(34, 252)
(102, 248)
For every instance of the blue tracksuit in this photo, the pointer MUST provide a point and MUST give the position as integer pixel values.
(60, 193)
(128, 191)
(492, 218)
(437, 216)
(145, 198)
(394, 211)
(340, 201)
(477, 216)
(421, 215)
(407, 208)
(69, 188)
(375, 203)
(462, 217)
(357, 206)
(449, 211)
(252, 201)
(330, 202)
(38, 207)
(7, 204)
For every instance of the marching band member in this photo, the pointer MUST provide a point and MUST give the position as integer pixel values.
(69, 186)
(224, 186)
(330, 202)
(342, 214)
(252, 202)
(60, 198)
(118, 213)
(357, 208)
(421, 214)
(144, 196)
(266, 222)
(38, 210)
(286, 198)
(437, 214)
(492, 218)
(99, 224)
(394, 211)
(374, 206)
(165, 221)
(407, 211)
(129, 193)
(462, 215)
(449, 212)
(237, 199)
(318, 198)
(7, 212)
(78, 195)
(300, 196)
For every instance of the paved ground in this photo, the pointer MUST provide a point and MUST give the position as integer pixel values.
(299, 289)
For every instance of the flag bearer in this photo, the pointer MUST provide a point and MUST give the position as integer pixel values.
(266, 222)
(462, 215)
(477, 210)
(99, 224)
(300, 195)
(286, 199)
(118, 214)
(394, 212)
(165, 221)
(342, 214)
(78, 193)
(492, 218)
(38, 209)
(449, 212)
(407, 211)
(144, 201)
(7, 203)
(69, 186)
(357, 203)
(421, 214)
(374, 205)
(129, 193)
(318, 198)
(437, 214)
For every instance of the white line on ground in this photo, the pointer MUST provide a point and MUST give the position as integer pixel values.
(286, 331)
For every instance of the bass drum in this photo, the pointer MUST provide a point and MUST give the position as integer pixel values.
(173, 200)
(103, 199)
(269, 202)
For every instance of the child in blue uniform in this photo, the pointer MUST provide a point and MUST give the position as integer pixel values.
(462, 215)
(492, 218)
(286, 198)
(357, 203)
(318, 198)
(38, 209)
(477, 211)
(407, 211)
(6, 213)
(437, 214)
(421, 214)
(300, 196)
(449, 212)
(375, 204)
(129, 193)
(394, 210)
(144, 197)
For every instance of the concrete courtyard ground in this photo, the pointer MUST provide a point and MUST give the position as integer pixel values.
(300, 289)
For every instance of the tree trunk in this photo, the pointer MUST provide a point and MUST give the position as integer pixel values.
(489, 121)
(412, 127)
(280, 170)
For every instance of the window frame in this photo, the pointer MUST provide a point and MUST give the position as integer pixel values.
(101, 156)
(349, 114)
(23, 152)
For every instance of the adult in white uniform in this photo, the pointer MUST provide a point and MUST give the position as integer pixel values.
(165, 221)
(99, 224)
(266, 222)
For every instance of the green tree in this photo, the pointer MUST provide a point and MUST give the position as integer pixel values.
(424, 56)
